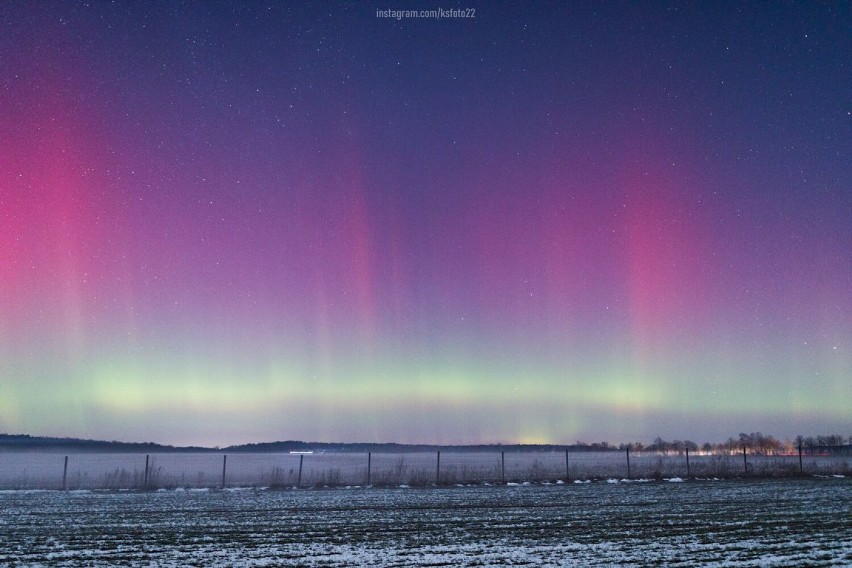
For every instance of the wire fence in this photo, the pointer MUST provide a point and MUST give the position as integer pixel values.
(117, 471)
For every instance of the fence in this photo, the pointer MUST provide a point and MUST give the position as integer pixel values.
(25, 470)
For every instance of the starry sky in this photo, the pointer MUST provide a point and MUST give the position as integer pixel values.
(550, 222)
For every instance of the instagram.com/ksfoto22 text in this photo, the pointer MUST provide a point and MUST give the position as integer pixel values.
(437, 14)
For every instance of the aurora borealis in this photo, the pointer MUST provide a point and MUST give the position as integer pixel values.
(556, 221)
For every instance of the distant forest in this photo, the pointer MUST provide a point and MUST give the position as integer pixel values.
(755, 443)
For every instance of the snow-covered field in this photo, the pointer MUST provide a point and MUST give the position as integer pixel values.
(790, 522)
(44, 470)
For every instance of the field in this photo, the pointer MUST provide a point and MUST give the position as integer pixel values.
(44, 470)
(746, 522)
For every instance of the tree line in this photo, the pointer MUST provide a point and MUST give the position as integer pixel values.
(754, 442)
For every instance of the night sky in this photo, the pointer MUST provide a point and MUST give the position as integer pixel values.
(547, 223)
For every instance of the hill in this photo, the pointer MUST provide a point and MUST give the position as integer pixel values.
(24, 442)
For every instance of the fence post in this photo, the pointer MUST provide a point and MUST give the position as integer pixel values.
(628, 462)
(503, 466)
(801, 469)
(438, 470)
(745, 460)
(224, 464)
(687, 462)
(369, 466)
(65, 474)
(145, 482)
(301, 461)
(567, 473)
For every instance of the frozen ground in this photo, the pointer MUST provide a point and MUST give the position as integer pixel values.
(790, 522)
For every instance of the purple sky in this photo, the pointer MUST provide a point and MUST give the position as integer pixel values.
(550, 222)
